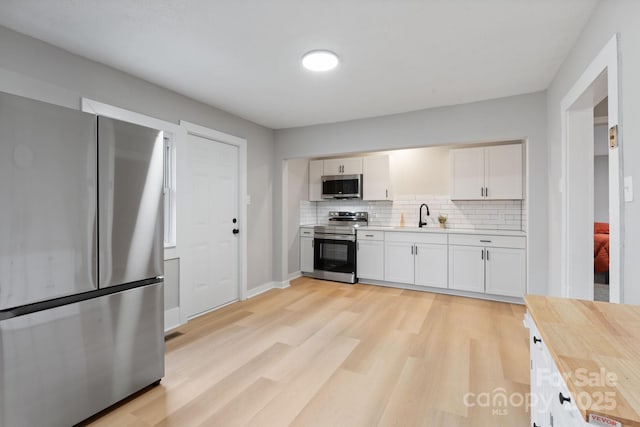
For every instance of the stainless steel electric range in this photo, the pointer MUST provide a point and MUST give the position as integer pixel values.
(334, 254)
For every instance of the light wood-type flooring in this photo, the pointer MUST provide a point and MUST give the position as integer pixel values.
(330, 354)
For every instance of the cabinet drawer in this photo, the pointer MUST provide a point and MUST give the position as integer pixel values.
(370, 235)
(306, 231)
(435, 238)
(488, 240)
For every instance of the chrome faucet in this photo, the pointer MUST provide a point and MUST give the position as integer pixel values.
(420, 223)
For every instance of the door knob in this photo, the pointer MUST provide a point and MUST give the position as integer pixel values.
(236, 231)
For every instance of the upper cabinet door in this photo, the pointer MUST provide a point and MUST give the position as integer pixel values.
(130, 160)
(352, 166)
(315, 180)
(503, 171)
(348, 166)
(48, 209)
(332, 167)
(467, 174)
(376, 178)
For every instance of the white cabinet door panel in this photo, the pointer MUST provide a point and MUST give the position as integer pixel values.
(466, 268)
(506, 271)
(348, 166)
(376, 178)
(306, 254)
(503, 172)
(398, 262)
(370, 261)
(431, 265)
(315, 180)
(352, 166)
(466, 174)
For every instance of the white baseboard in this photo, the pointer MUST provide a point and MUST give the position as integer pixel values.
(260, 289)
(281, 285)
(266, 287)
(172, 319)
(295, 275)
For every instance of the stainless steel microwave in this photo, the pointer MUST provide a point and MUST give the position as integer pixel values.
(342, 187)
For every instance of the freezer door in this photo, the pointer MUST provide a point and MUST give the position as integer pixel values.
(130, 167)
(48, 201)
(62, 365)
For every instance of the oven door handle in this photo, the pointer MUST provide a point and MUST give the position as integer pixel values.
(343, 237)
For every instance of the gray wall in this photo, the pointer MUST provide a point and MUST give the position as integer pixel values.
(609, 17)
(32, 68)
(298, 189)
(513, 118)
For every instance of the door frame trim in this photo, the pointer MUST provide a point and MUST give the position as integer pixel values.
(605, 62)
(241, 143)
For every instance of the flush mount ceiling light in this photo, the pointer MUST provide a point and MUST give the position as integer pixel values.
(320, 60)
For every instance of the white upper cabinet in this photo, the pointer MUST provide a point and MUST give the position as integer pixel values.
(376, 178)
(503, 172)
(489, 173)
(467, 174)
(348, 166)
(315, 180)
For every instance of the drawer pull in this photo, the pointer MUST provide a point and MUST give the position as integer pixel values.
(536, 340)
(563, 399)
(485, 241)
(368, 235)
(535, 425)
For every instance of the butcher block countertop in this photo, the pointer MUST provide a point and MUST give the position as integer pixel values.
(595, 336)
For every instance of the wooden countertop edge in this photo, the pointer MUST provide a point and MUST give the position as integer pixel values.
(572, 388)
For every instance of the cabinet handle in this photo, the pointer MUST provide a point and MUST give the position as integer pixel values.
(487, 254)
(482, 254)
(486, 192)
(563, 399)
(357, 246)
(312, 243)
(416, 249)
(481, 191)
(411, 249)
(386, 194)
(535, 425)
(536, 340)
(485, 241)
(368, 235)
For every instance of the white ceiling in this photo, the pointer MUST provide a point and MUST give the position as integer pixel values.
(244, 55)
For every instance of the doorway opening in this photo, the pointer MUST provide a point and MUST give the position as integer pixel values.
(601, 202)
(599, 81)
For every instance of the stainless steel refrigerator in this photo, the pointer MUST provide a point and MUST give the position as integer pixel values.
(81, 262)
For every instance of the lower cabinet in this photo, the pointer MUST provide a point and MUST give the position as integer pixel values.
(491, 264)
(416, 258)
(551, 403)
(466, 268)
(505, 270)
(370, 255)
(306, 251)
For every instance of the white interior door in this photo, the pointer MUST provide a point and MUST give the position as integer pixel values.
(213, 250)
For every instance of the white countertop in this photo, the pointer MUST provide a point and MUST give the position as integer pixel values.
(437, 229)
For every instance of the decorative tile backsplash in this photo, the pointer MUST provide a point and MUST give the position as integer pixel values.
(469, 214)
